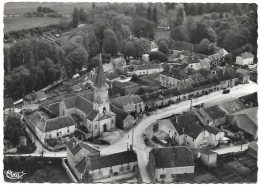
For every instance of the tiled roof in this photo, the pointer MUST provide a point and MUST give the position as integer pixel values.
(191, 60)
(171, 157)
(232, 106)
(58, 123)
(246, 55)
(212, 130)
(187, 88)
(148, 66)
(215, 112)
(205, 84)
(242, 71)
(112, 160)
(197, 76)
(75, 146)
(175, 73)
(80, 103)
(70, 145)
(37, 119)
(92, 115)
(8, 103)
(120, 114)
(226, 73)
(188, 124)
(124, 100)
(250, 98)
(204, 62)
(81, 165)
(243, 122)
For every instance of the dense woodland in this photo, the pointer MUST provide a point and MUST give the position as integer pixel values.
(31, 62)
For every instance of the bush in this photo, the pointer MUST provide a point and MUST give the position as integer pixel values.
(156, 55)
(54, 15)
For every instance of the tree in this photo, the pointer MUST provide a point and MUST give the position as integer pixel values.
(110, 43)
(177, 16)
(75, 17)
(130, 10)
(154, 18)
(158, 56)
(93, 5)
(143, 28)
(203, 47)
(202, 31)
(163, 47)
(179, 33)
(13, 128)
(128, 49)
(149, 13)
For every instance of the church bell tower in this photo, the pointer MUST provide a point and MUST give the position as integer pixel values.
(101, 99)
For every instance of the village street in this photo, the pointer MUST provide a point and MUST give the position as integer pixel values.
(135, 133)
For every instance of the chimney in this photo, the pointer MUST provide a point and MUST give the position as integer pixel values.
(183, 129)
(146, 94)
(73, 145)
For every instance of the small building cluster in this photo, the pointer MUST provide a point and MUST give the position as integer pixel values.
(88, 166)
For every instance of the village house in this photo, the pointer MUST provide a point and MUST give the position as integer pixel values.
(95, 115)
(192, 62)
(245, 58)
(147, 69)
(227, 77)
(243, 76)
(172, 77)
(166, 164)
(78, 150)
(45, 129)
(125, 88)
(109, 166)
(213, 136)
(35, 97)
(246, 120)
(123, 119)
(205, 63)
(217, 58)
(129, 103)
(213, 116)
(184, 130)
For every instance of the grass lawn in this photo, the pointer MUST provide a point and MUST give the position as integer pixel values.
(19, 23)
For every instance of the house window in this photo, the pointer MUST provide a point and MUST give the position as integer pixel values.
(57, 134)
(68, 130)
(104, 110)
(121, 168)
(162, 176)
(95, 126)
(111, 170)
(173, 175)
(128, 167)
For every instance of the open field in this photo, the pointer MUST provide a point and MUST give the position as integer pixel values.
(13, 8)
(19, 23)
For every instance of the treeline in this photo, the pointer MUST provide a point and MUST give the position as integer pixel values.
(109, 29)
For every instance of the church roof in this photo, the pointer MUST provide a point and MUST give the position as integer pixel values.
(100, 80)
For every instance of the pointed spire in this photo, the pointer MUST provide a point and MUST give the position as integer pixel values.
(100, 80)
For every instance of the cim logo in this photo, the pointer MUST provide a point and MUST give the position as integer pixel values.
(14, 175)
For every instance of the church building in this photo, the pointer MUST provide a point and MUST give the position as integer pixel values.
(95, 115)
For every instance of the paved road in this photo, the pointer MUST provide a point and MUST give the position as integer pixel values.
(135, 133)
(142, 151)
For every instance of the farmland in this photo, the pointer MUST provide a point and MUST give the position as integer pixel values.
(14, 19)
(19, 23)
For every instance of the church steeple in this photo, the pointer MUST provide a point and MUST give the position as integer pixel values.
(101, 99)
(100, 79)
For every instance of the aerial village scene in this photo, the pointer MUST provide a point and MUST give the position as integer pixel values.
(138, 93)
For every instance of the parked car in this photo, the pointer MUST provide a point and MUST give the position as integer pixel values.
(226, 91)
